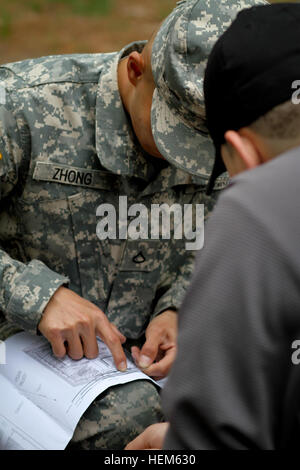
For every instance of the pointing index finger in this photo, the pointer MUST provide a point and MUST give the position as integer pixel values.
(113, 342)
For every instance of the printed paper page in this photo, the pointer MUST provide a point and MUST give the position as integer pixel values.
(60, 389)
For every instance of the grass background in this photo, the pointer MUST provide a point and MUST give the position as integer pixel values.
(32, 28)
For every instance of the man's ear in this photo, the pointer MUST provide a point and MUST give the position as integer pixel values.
(245, 147)
(135, 67)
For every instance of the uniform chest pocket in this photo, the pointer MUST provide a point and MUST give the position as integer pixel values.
(45, 232)
(133, 295)
(58, 220)
(97, 259)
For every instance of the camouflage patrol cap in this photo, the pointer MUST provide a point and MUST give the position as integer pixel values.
(179, 55)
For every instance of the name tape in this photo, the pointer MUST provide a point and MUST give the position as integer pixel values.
(75, 176)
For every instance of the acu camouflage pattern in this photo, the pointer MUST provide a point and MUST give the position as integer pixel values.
(124, 406)
(179, 56)
(63, 116)
(67, 147)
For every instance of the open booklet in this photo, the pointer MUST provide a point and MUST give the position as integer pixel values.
(42, 398)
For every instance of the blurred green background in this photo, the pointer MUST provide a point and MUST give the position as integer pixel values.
(32, 28)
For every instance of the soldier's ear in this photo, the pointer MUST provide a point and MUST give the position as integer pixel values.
(135, 67)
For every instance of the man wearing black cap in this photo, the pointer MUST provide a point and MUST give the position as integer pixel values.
(235, 383)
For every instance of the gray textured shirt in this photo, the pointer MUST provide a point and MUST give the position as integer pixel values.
(233, 384)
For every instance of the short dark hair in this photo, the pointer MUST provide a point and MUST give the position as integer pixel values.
(280, 123)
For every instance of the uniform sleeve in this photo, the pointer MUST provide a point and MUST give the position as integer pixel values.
(25, 289)
(175, 285)
(177, 277)
(227, 384)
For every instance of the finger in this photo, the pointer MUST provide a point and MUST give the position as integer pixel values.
(113, 342)
(161, 368)
(121, 336)
(149, 351)
(151, 438)
(135, 352)
(139, 443)
(74, 349)
(90, 345)
(58, 347)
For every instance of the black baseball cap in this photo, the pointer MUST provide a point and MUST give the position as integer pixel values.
(251, 70)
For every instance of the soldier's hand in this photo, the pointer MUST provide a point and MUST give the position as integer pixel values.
(71, 324)
(151, 439)
(158, 353)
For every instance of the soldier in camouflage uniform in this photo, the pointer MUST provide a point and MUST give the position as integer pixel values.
(75, 132)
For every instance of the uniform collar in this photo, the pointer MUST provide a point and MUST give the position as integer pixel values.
(116, 144)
